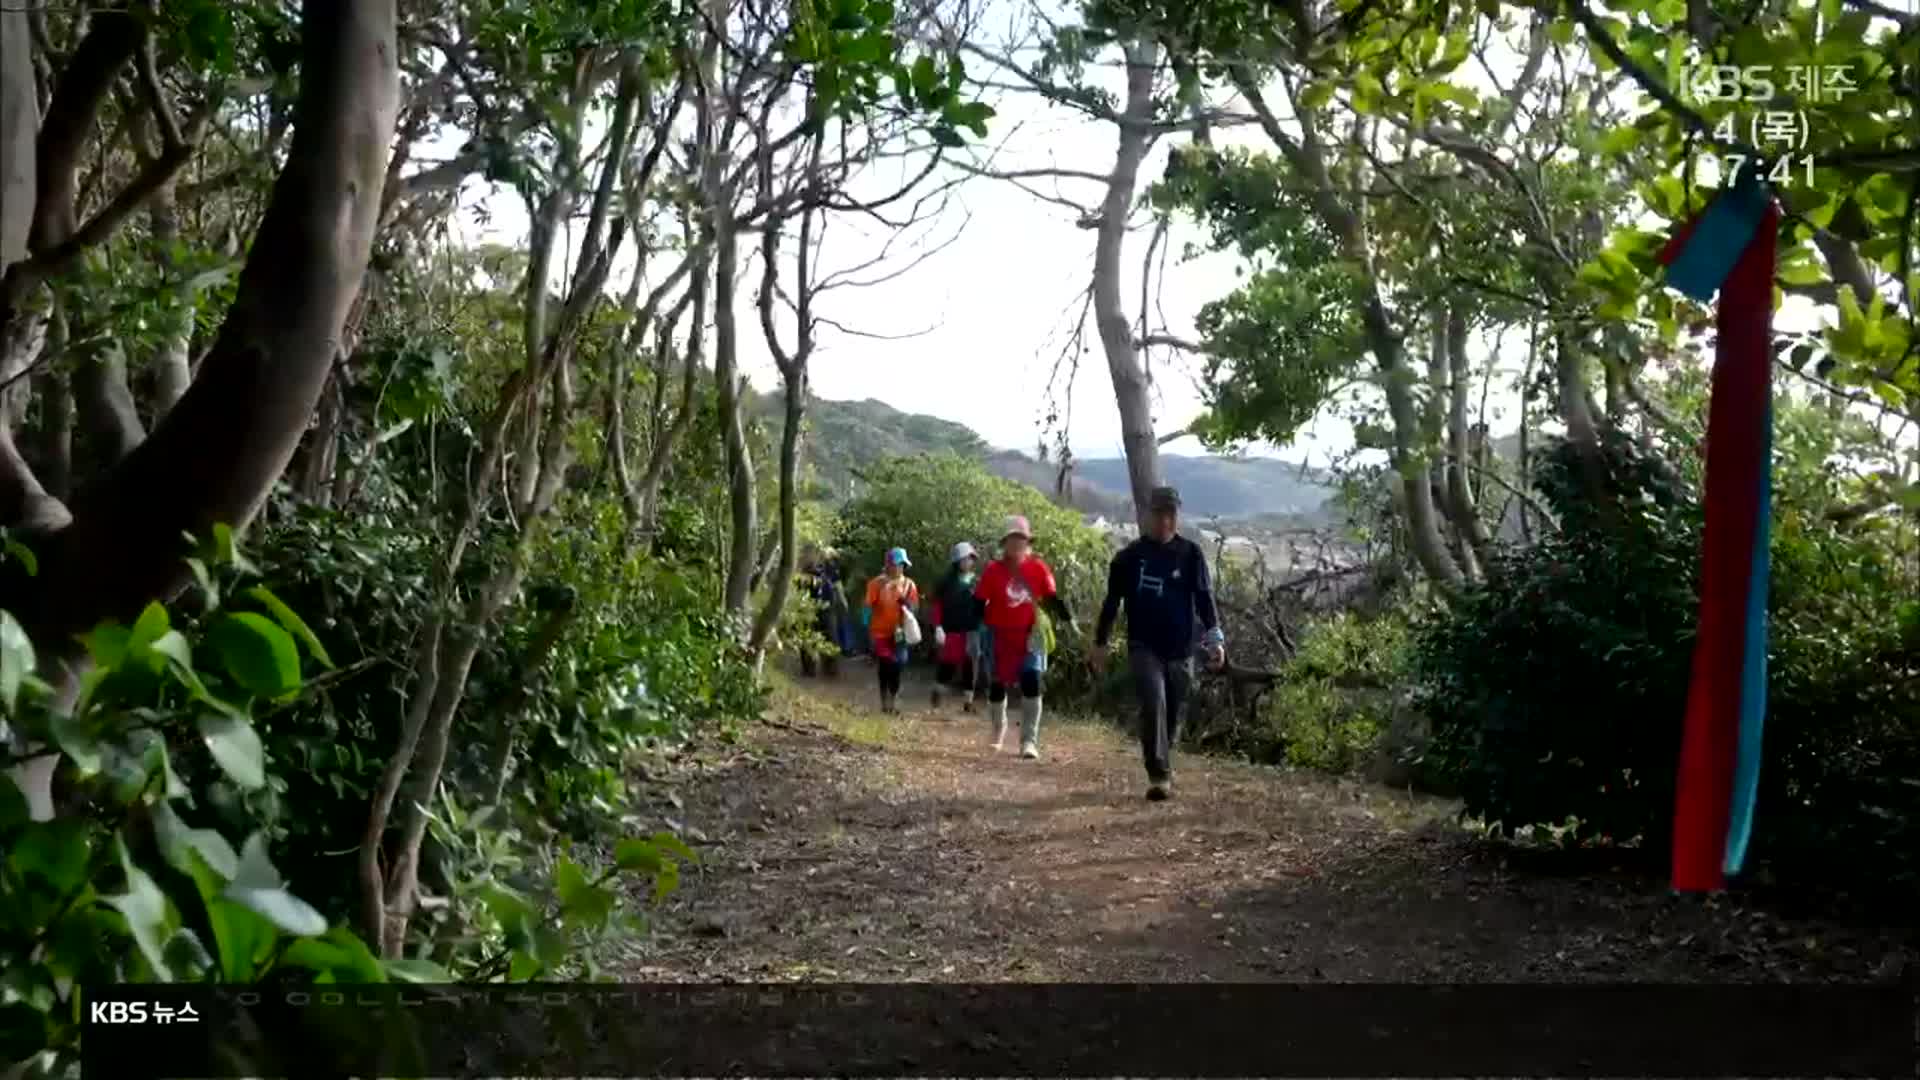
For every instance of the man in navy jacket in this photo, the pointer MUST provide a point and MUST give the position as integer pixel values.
(1163, 581)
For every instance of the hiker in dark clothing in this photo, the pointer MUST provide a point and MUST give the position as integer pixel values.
(956, 622)
(1162, 578)
(823, 585)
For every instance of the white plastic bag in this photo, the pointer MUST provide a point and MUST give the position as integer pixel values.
(909, 626)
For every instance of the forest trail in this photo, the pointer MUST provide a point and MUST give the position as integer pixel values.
(839, 845)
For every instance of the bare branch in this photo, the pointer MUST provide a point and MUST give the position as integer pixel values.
(1147, 341)
(1028, 174)
(841, 279)
(156, 95)
(874, 335)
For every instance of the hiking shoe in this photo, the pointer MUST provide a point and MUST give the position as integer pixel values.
(1160, 791)
(936, 701)
(1030, 752)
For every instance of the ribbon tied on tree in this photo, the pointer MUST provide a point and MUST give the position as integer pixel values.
(1729, 248)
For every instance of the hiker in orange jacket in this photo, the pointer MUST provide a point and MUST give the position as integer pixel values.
(891, 598)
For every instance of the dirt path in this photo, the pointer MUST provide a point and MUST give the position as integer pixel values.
(838, 845)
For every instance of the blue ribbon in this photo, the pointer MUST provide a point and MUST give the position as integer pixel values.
(1720, 238)
(1753, 675)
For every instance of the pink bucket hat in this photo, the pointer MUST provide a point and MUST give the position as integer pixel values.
(1017, 526)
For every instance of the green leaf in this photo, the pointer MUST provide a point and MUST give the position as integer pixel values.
(1315, 95)
(1560, 31)
(224, 551)
(14, 810)
(292, 623)
(676, 846)
(23, 1031)
(242, 938)
(145, 908)
(57, 852)
(568, 880)
(181, 845)
(257, 654)
(152, 748)
(415, 970)
(106, 645)
(203, 577)
(972, 115)
(1369, 86)
(315, 955)
(1620, 140)
(147, 629)
(580, 900)
(17, 659)
(186, 955)
(236, 747)
(257, 887)
(515, 916)
(76, 741)
(339, 957)
(25, 554)
(1800, 272)
(633, 853)
(925, 77)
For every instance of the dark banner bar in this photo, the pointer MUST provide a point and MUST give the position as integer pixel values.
(1004, 1030)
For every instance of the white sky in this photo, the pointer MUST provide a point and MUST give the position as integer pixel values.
(990, 312)
(979, 325)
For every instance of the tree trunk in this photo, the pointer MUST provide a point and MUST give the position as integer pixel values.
(1130, 386)
(1524, 467)
(172, 370)
(718, 192)
(1581, 417)
(646, 506)
(782, 584)
(19, 127)
(1477, 541)
(1410, 460)
(217, 454)
(24, 503)
(54, 452)
(105, 405)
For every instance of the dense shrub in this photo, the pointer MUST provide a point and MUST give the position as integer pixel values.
(1328, 708)
(1557, 689)
(635, 655)
(1336, 697)
(235, 719)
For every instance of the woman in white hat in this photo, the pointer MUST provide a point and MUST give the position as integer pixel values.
(1013, 589)
(956, 618)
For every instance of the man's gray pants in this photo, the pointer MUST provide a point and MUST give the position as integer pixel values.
(1161, 688)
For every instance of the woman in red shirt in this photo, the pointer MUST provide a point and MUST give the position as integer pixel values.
(1011, 590)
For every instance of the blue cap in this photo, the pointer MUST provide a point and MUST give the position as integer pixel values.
(898, 556)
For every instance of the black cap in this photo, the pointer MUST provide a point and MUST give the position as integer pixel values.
(1163, 498)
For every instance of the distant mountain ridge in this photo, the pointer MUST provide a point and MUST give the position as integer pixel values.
(844, 436)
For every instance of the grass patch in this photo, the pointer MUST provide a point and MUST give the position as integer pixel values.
(864, 728)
